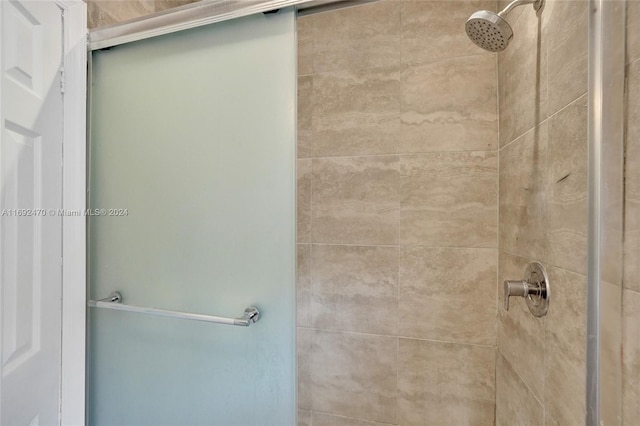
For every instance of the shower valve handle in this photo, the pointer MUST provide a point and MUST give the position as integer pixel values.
(534, 288)
(518, 288)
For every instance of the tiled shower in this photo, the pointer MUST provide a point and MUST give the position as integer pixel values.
(397, 216)
(429, 171)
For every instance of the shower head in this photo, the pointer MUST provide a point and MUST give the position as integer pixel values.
(490, 30)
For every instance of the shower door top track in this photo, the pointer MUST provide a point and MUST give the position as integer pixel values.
(189, 16)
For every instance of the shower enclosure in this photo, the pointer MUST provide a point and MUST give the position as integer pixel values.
(427, 174)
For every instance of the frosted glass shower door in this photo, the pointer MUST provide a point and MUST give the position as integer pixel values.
(192, 188)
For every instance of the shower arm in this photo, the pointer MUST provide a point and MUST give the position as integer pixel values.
(537, 4)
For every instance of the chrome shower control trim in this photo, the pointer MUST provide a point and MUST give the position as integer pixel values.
(534, 288)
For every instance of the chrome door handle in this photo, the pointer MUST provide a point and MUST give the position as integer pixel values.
(114, 301)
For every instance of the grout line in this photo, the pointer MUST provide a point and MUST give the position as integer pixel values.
(400, 65)
(630, 289)
(570, 103)
(310, 287)
(391, 154)
(626, 199)
(526, 385)
(402, 246)
(311, 178)
(633, 62)
(357, 245)
(397, 390)
(373, 422)
(547, 264)
(397, 336)
(529, 130)
(403, 154)
(400, 7)
(545, 356)
(399, 144)
(445, 59)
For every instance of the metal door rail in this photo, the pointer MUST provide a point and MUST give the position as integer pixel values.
(114, 301)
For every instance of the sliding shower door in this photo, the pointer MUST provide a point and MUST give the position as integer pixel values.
(192, 187)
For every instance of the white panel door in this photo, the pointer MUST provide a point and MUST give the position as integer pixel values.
(30, 229)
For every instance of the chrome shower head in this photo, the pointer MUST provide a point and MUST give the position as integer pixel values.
(490, 30)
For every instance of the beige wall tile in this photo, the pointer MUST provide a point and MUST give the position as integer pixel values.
(522, 78)
(450, 105)
(304, 347)
(156, 5)
(96, 16)
(355, 200)
(448, 294)
(567, 183)
(160, 5)
(304, 33)
(515, 404)
(445, 383)
(565, 31)
(105, 12)
(610, 351)
(612, 223)
(324, 419)
(633, 31)
(304, 418)
(433, 30)
(449, 199)
(356, 112)
(565, 349)
(365, 36)
(355, 288)
(305, 117)
(354, 375)
(303, 200)
(303, 290)
(631, 357)
(521, 336)
(632, 173)
(523, 194)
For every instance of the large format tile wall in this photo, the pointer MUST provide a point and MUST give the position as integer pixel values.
(397, 217)
(542, 80)
(631, 291)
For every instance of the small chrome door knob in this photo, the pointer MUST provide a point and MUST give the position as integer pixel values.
(534, 288)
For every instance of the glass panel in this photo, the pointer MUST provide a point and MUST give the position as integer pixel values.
(193, 137)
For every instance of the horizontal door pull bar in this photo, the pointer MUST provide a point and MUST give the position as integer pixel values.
(114, 301)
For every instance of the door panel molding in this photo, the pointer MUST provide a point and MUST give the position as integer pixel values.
(31, 143)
